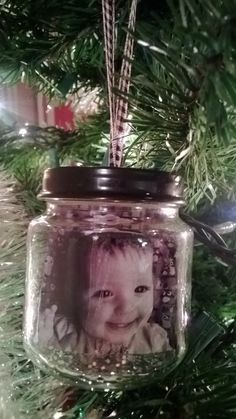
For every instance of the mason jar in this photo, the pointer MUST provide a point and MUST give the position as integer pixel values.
(108, 276)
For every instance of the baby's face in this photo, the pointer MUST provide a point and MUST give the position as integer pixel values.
(120, 296)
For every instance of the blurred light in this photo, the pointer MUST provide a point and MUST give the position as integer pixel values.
(23, 75)
(156, 49)
(23, 131)
(145, 44)
(57, 415)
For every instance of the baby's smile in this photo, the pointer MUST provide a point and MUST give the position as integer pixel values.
(125, 325)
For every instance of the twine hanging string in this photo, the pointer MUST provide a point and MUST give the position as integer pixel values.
(118, 107)
(108, 12)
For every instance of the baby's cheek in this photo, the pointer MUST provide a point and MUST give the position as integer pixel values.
(99, 306)
(106, 312)
(88, 301)
(146, 304)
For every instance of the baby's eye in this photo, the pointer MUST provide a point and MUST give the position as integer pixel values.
(141, 288)
(102, 294)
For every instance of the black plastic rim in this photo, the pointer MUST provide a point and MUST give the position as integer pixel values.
(115, 183)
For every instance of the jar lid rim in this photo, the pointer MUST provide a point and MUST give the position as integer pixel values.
(80, 182)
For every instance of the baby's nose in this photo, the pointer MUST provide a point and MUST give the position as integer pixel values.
(122, 304)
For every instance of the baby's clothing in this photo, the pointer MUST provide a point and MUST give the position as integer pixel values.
(151, 338)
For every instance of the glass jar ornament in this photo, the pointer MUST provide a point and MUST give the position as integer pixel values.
(108, 275)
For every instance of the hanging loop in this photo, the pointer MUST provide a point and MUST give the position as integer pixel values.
(118, 107)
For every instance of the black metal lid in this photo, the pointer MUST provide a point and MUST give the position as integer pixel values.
(112, 183)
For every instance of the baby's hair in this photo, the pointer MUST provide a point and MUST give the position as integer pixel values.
(133, 246)
(110, 244)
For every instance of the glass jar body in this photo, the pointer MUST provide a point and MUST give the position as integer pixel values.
(108, 290)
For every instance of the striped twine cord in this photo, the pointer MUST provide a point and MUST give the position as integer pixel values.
(108, 12)
(118, 107)
(121, 126)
